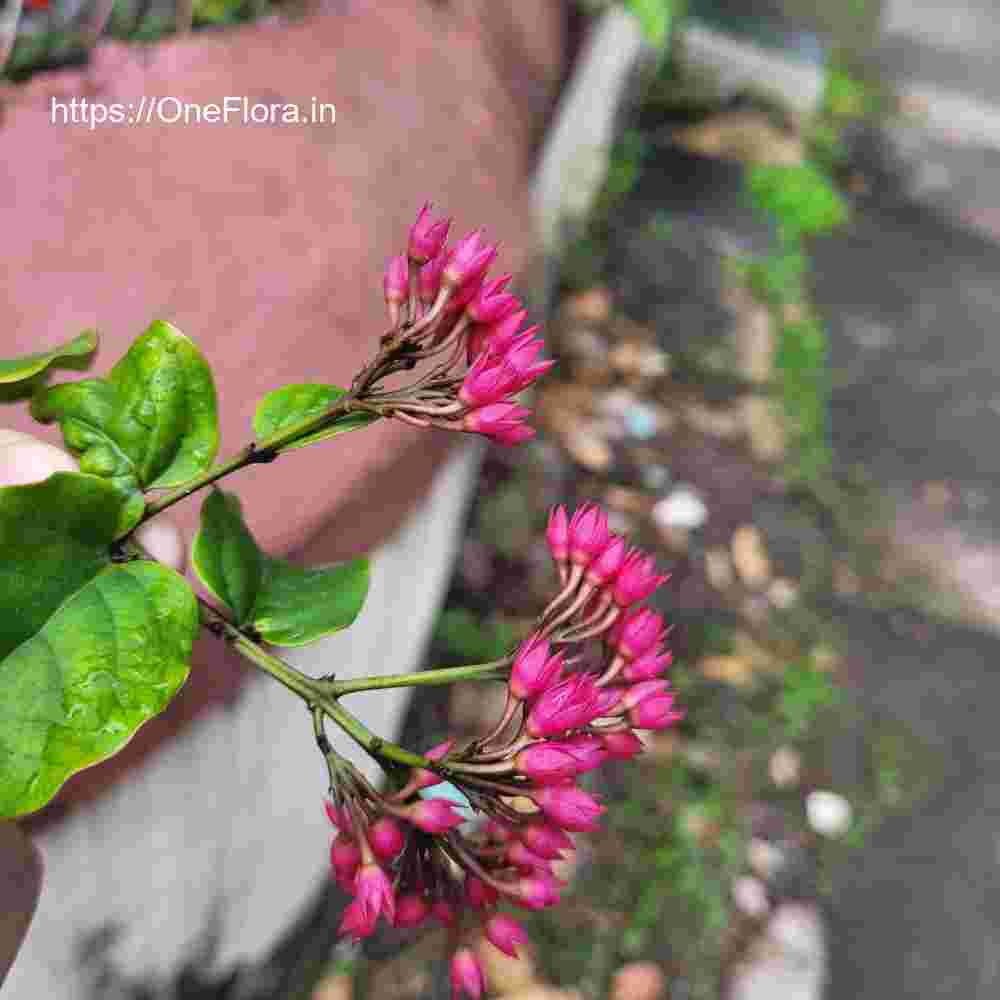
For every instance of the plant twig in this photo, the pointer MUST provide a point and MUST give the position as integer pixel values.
(495, 670)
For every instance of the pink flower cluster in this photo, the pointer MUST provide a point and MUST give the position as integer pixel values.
(442, 306)
(413, 860)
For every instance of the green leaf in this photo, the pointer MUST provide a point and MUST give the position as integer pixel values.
(286, 605)
(109, 659)
(654, 18)
(151, 424)
(54, 536)
(283, 408)
(226, 557)
(300, 604)
(25, 367)
(801, 198)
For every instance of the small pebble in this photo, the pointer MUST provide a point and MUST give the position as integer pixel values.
(333, 988)
(655, 477)
(588, 449)
(750, 896)
(783, 593)
(829, 814)
(719, 568)
(641, 421)
(750, 556)
(785, 767)
(638, 981)
(732, 670)
(590, 306)
(681, 508)
(765, 859)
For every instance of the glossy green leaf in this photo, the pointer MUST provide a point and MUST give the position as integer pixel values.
(54, 536)
(226, 557)
(151, 424)
(290, 405)
(19, 369)
(287, 605)
(300, 604)
(654, 17)
(110, 658)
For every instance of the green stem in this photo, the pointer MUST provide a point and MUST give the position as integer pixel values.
(379, 748)
(495, 670)
(305, 687)
(264, 450)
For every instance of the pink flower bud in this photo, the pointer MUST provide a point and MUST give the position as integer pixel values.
(478, 894)
(491, 303)
(411, 911)
(397, 280)
(504, 422)
(429, 278)
(655, 712)
(563, 706)
(386, 838)
(373, 898)
(637, 579)
(651, 664)
(535, 892)
(345, 857)
(505, 933)
(507, 331)
(588, 750)
(534, 669)
(466, 975)
(546, 763)
(623, 745)
(340, 818)
(522, 857)
(465, 259)
(427, 236)
(557, 535)
(607, 702)
(637, 633)
(569, 807)
(444, 913)
(608, 563)
(638, 693)
(588, 533)
(434, 815)
(544, 839)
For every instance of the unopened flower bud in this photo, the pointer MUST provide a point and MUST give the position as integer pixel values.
(427, 236)
(567, 705)
(569, 807)
(466, 975)
(411, 911)
(534, 669)
(544, 839)
(434, 815)
(546, 763)
(636, 579)
(536, 892)
(651, 664)
(386, 838)
(588, 533)
(557, 535)
(373, 898)
(607, 564)
(637, 633)
(506, 933)
(622, 745)
(588, 750)
(444, 913)
(522, 857)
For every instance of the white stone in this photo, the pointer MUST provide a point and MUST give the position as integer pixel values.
(750, 896)
(785, 767)
(828, 813)
(681, 508)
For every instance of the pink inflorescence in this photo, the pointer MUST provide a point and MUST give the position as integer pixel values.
(445, 310)
(414, 860)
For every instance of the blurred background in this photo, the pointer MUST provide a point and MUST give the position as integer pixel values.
(764, 249)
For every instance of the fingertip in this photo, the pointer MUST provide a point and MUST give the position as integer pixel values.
(24, 459)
